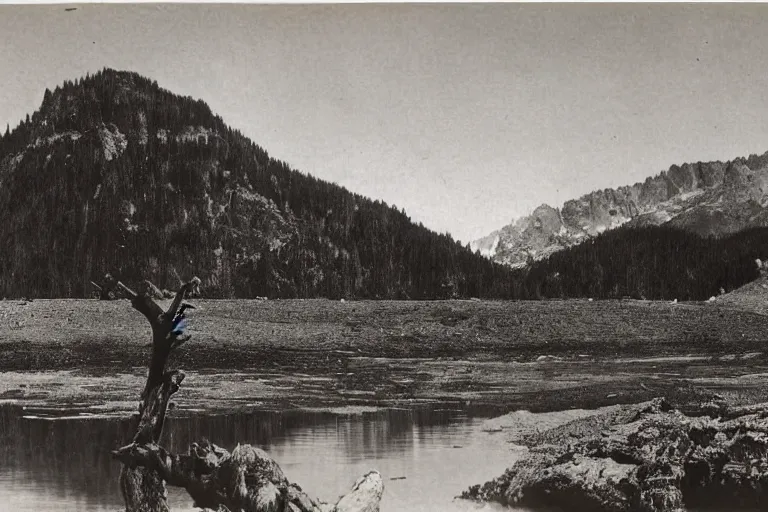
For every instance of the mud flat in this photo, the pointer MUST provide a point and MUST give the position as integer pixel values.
(540, 356)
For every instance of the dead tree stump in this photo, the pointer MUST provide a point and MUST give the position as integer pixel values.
(246, 479)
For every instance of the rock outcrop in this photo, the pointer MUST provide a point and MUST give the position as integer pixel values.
(712, 198)
(648, 457)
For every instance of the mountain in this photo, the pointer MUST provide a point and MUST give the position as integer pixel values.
(115, 174)
(709, 199)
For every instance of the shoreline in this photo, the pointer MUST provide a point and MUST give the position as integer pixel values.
(536, 355)
(496, 386)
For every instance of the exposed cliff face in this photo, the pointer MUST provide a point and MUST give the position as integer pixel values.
(712, 198)
(488, 244)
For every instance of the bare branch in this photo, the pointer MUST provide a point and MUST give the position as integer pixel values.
(130, 293)
(193, 286)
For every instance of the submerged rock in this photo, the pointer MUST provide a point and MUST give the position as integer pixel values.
(647, 457)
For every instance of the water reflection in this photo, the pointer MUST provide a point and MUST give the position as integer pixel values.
(57, 462)
(65, 464)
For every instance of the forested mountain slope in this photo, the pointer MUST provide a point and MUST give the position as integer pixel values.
(115, 174)
(653, 262)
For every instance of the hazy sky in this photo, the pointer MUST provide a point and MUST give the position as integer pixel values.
(465, 115)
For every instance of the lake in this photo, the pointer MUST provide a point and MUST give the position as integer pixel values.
(49, 464)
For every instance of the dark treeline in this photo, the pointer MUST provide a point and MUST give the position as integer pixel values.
(651, 263)
(115, 174)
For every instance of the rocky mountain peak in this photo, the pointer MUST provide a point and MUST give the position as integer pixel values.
(708, 198)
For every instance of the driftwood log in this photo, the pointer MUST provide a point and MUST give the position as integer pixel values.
(246, 479)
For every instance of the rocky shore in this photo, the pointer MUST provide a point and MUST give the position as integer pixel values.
(645, 457)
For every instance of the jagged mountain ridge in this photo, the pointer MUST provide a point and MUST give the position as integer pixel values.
(706, 198)
(115, 174)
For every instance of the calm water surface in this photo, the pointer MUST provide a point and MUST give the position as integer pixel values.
(64, 464)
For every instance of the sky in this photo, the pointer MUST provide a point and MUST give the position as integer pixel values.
(467, 116)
